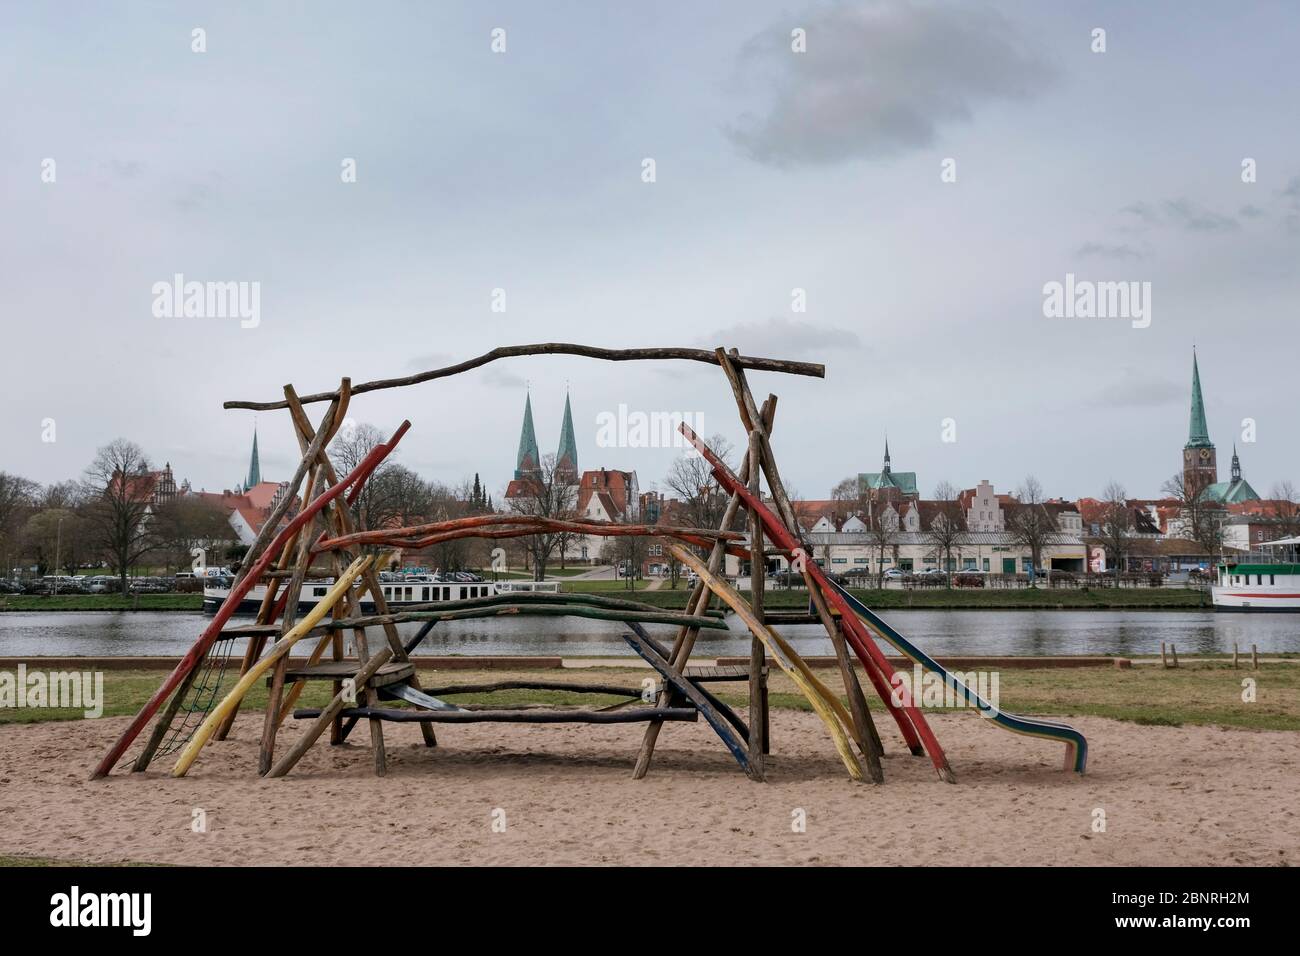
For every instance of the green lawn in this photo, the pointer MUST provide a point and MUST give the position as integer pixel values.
(607, 585)
(101, 602)
(1200, 691)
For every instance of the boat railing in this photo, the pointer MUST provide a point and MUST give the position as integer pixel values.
(539, 587)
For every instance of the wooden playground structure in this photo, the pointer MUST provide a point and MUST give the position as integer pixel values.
(379, 685)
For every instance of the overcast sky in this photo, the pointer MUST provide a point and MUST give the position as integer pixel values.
(774, 170)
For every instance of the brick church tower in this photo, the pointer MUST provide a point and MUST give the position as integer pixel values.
(1200, 466)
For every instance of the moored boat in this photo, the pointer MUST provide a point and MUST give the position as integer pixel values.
(399, 591)
(1264, 580)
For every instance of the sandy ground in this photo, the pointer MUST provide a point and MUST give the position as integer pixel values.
(1194, 795)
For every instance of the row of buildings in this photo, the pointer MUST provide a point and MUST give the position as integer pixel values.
(884, 523)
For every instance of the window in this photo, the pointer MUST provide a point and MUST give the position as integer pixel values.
(424, 594)
(861, 560)
(318, 592)
(839, 560)
(968, 564)
(446, 594)
(986, 564)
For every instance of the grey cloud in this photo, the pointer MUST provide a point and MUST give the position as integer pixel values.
(500, 378)
(1133, 391)
(878, 80)
(1181, 213)
(782, 338)
(1109, 250)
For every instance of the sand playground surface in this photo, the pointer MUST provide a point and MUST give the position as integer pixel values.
(1170, 795)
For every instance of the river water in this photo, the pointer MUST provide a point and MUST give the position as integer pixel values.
(1030, 633)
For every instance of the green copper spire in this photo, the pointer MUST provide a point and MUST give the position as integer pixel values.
(1198, 435)
(254, 466)
(529, 462)
(566, 459)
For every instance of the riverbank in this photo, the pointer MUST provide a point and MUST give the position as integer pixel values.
(955, 599)
(101, 602)
(970, 599)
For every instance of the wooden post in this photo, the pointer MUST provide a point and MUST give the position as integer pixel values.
(757, 576)
(1164, 661)
(1254, 657)
(696, 605)
(1173, 654)
(1234, 655)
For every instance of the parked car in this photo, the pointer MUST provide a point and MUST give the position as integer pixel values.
(894, 574)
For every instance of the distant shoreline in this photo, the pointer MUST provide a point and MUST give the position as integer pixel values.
(937, 599)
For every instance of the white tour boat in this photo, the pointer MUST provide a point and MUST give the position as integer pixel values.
(399, 591)
(1267, 580)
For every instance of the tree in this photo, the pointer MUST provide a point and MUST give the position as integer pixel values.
(1030, 524)
(1116, 525)
(552, 497)
(17, 498)
(118, 488)
(690, 479)
(947, 530)
(186, 523)
(52, 540)
(1286, 503)
(348, 449)
(1199, 519)
(882, 533)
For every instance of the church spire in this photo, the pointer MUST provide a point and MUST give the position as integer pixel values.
(254, 465)
(1236, 464)
(1198, 435)
(528, 464)
(566, 458)
(884, 468)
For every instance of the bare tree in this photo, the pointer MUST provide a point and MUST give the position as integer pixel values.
(1199, 520)
(118, 488)
(948, 527)
(883, 532)
(1116, 525)
(690, 479)
(1286, 501)
(1030, 524)
(186, 523)
(552, 497)
(17, 498)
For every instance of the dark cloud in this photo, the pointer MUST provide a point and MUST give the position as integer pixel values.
(877, 80)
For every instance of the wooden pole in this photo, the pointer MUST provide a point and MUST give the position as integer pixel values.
(695, 605)
(554, 348)
(757, 576)
(1254, 657)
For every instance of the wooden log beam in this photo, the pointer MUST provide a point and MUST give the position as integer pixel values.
(511, 526)
(280, 649)
(249, 576)
(555, 348)
(397, 715)
(824, 703)
(533, 610)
